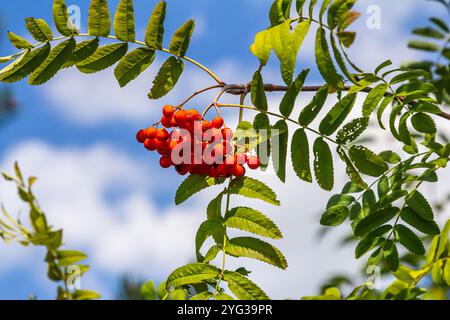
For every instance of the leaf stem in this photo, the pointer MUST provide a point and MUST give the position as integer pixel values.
(281, 117)
(186, 58)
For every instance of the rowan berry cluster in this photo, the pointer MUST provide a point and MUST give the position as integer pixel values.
(197, 146)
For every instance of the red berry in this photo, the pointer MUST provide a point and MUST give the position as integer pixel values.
(227, 134)
(222, 170)
(166, 121)
(168, 111)
(163, 148)
(237, 170)
(218, 151)
(192, 115)
(180, 117)
(182, 169)
(172, 144)
(217, 122)
(241, 158)
(228, 148)
(173, 122)
(140, 136)
(253, 162)
(162, 134)
(206, 125)
(150, 133)
(150, 144)
(230, 161)
(165, 162)
(212, 172)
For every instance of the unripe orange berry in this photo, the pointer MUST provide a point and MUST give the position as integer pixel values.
(217, 122)
(168, 111)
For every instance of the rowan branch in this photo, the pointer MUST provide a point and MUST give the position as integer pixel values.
(238, 89)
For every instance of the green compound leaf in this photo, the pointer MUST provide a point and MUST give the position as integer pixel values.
(373, 99)
(262, 47)
(252, 188)
(310, 112)
(248, 219)
(207, 229)
(39, 29)
(409, 239)
(280, 143)
(420, 205)
(286, 46)
(193, 184)
(391, 255)
(167, 77)
(334, 216)
(415, 220)
(351, 170)
(104, 57)
(82, 51)
(124, 25)
(323, 164)
(375, 220)
(242, 287)
(262, 122)
(214, 210)
(18, 41)
(182, 38)
(99, 20)
(324, 61)
(390, 156)
(423, 123)
(256, 249)
(367, 162)
(55, 60)
(85, 295)
(386, 102)
(352, 130)
(191, 274)
(24, 65)
(133, 64)
(61, 19)
(337, 115)
(288, 102)
(155, 30)
(300, 155)
(258, 93)
(279, 11)
(423, 45)
(69, 257)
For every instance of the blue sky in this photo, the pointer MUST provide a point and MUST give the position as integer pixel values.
(76, 133)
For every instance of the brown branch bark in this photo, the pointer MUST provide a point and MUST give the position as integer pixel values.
(238, 89)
